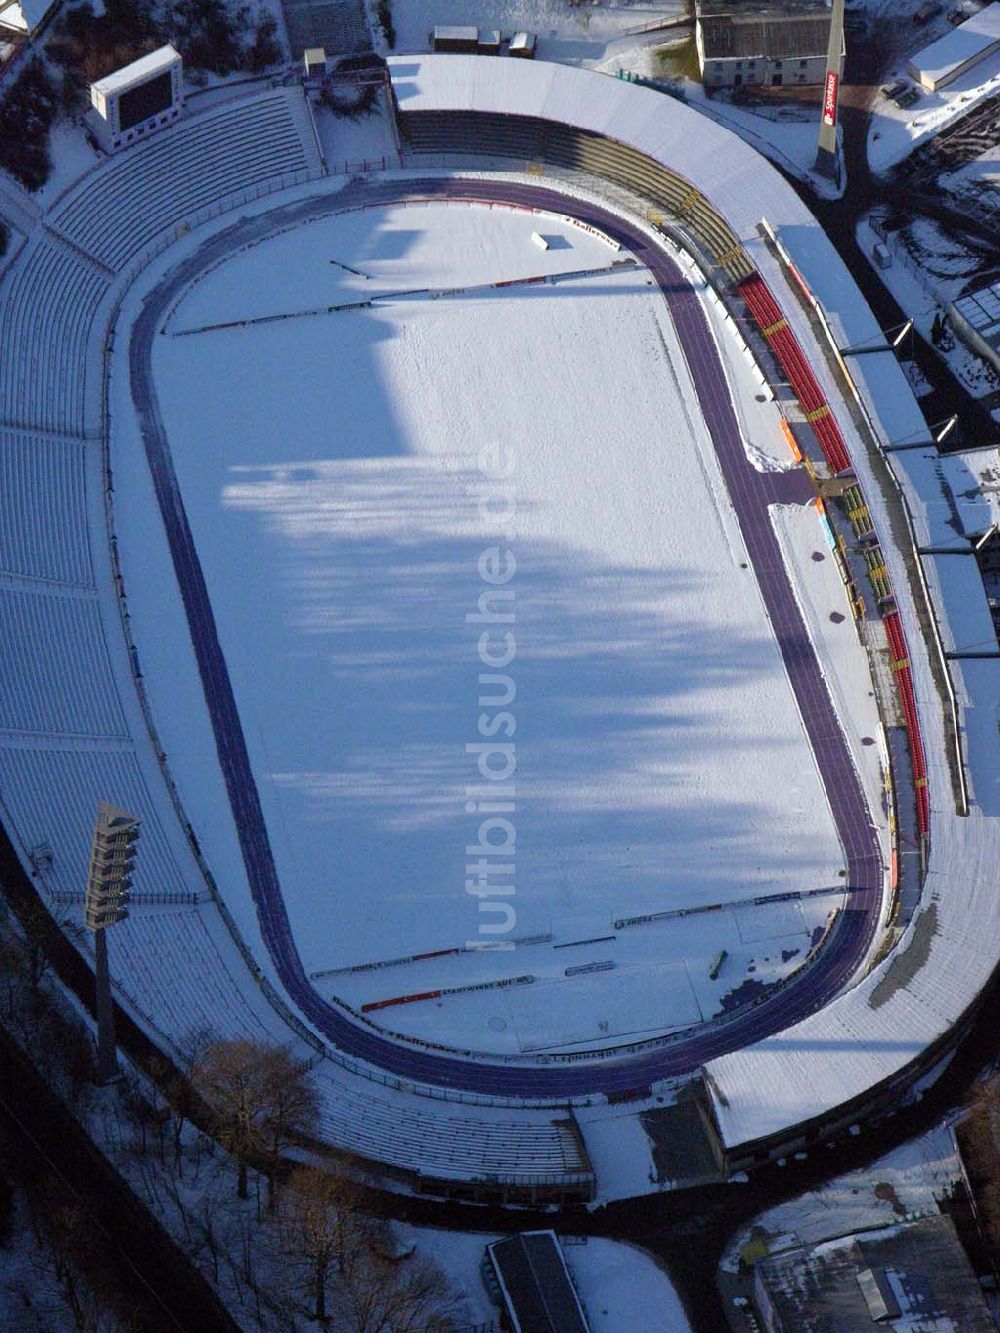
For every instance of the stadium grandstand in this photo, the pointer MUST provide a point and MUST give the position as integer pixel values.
(77, 724)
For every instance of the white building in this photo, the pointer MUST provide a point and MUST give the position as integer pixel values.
(772, 48)
(24, 18)
(939, 64)
(138, 99)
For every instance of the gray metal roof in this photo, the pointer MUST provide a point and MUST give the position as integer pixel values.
(777, 36)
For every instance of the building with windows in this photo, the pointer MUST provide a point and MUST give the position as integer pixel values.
(762, 48)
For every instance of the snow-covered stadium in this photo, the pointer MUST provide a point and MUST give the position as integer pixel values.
(552, 671)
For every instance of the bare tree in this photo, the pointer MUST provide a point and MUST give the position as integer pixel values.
(291, 1105)
(317, 1229)
(387, 1296)
(257, 1094)
(980, 1133)
(230, 1076)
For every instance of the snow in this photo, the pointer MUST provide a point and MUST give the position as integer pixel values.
(821, 595)
(787, 135)
(619, 1149)
(156, 62)
(370, 777)
(878, 1028)
(970, 40)
(622, 1286)
(912, 1179)
(895, 132)
(572, 34)
(956, 586)
(72, 157)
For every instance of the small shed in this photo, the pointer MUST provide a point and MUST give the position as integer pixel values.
(455, 38)
(314, 60)
(523, 45)
(488, 43)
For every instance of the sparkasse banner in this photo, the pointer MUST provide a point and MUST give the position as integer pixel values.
(830, 98)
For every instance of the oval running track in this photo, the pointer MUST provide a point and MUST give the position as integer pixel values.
(751, 493)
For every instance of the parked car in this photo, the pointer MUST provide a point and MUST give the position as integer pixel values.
(892, 90)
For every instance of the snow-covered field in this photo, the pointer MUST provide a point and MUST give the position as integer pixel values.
(331, 475)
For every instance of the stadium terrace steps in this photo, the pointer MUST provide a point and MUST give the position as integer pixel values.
(82, 777)
(43, 524)
(65, 692)
(440, 1140)
(47, 309)
(171, 969)
(532, 139)
(188, 170)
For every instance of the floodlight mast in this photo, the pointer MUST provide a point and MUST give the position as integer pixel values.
(827, 157)
(109, 888)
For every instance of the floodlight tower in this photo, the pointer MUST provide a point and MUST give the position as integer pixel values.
(109, 887)
(827, 159)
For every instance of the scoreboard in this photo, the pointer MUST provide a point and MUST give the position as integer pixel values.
(138, 99)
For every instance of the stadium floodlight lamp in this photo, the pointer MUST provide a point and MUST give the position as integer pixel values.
(893, 337)
(106, 902)
(949, 426)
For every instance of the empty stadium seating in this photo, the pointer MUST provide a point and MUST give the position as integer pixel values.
(184, 172)
(47, 308)
(43, 525)
(779, 335)
(900, 661)
(451, 1142)
(68, 688)
(172, 968)
(533, 139)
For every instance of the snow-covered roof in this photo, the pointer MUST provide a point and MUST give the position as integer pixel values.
(24, 15)
(938, 63)
(146, 67)
(12, 17)
(911, 999)
(956, 588)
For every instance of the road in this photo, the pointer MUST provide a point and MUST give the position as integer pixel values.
(751, 493)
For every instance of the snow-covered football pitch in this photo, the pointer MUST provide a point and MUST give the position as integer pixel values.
(501, 664)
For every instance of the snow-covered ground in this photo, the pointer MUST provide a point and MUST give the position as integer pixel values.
(620, 1285)
(787, 134)
(925, 292)
(584, 34)
(823, 602)
(895, 131)
(623, 1287)
(661, 764)
(909, 1180)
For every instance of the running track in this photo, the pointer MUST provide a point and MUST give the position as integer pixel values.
(751, 493)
